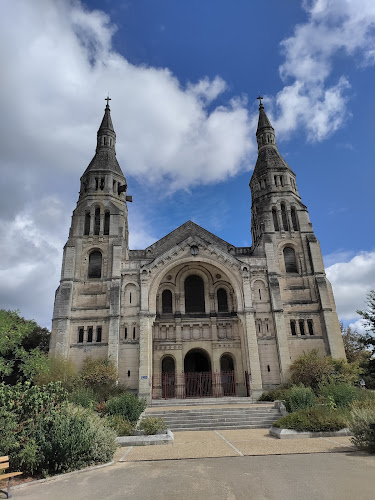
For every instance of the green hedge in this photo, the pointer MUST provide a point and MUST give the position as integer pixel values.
(44, 434)
(363, 415)
(316, 419)
(299, 397)
(127, 405)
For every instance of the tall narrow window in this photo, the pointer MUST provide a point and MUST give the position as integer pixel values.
(96, 183)
(222, 300)
(293, 327)
(126, 333)
(89, 333)
(310, 326)
(133, 332)
(106, 222)
(290, 260)
(80, 334)
(87, 224)
(284, 217)
(301, 327)
(97, 221)
(102, 183)
(293, 215)
(98, 333)
(275, 220)
(194, 294)
(95, 265)
(166, 302)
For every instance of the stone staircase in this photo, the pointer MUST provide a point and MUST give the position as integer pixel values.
(186, 417)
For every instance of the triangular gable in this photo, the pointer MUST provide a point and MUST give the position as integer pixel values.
(180, 234)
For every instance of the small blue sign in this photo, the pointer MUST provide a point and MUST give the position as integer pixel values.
(144, 376)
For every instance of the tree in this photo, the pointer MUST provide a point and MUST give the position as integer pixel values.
(354, 348)
(23, 346)
(368, 339)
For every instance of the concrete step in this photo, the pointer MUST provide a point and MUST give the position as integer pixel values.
(221, 427)
(202, 401)
(247, 417)
(219, 411)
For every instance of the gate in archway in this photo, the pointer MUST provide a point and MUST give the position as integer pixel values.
(194, 385)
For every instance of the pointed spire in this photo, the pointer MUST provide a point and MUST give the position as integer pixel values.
(265, 132)
(105, 154)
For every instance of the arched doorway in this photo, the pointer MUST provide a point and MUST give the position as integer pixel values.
(227, 375)
(168, 377)
(198, 375)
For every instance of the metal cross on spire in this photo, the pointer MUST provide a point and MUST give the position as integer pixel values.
(108, 99)
(260, 100)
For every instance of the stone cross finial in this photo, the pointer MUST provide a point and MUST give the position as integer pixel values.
(108, 99)
(260, 100)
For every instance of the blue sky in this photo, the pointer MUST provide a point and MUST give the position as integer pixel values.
(183, 78)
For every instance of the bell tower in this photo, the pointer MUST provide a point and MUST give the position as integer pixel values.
(301, 295)
(87, 303)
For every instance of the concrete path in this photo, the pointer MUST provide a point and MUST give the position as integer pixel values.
(323, 476)
(239, 442)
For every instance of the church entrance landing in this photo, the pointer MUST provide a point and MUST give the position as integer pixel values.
(197, 380)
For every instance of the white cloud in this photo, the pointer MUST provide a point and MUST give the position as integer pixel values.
(351, 282)
(311, 99)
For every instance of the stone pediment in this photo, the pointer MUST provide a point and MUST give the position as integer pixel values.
(193, 232)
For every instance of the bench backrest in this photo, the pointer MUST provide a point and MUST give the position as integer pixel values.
(4, 462)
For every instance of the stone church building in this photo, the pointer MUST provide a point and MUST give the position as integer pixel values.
(193, 315)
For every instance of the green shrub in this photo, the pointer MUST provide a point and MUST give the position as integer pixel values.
(83, 396)
(275, 394)
(57, 369)
(74, 439)
(44, 434)
(152, 425)
(316, 419)
(299, 397)
(363, 404)
(311, 369)
(127, 405)
(364, 437)
(99, 374)
(341, 393)
(120, 425)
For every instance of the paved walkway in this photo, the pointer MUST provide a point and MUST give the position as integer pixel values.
(323, 476)
(231, 443)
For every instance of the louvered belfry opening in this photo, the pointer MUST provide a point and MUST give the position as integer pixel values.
(194, 294)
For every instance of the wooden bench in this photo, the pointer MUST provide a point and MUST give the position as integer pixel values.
(4, 464)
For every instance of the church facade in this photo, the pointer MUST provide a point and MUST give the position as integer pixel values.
(192, 307)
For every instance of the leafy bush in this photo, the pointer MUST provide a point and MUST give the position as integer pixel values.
(126, 405)
(364, 437)
(152, 425)
(299, 397)
(316, 419)
(44, 434)
(311, 369)
(275, 394)
(83, 396)
(99, 374)
(341, 393)
(120, 425)
(58, 369)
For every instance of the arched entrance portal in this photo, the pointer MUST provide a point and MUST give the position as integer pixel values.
(168, 377)
(227, 375)
(198, 375)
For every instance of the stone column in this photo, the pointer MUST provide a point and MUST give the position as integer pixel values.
(114, 321)
(280, 328)
(145, 354)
